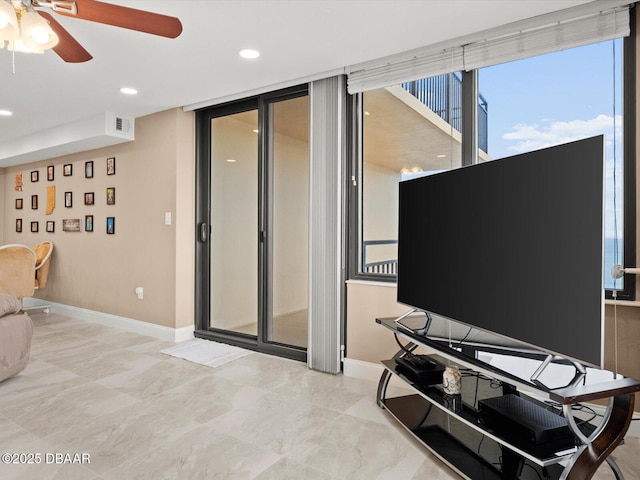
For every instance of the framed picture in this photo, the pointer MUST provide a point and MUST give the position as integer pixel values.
(34, 227)
(18, 225)
(18, 204)
(111, 195)
(50, 173)
(68, 199)
(88, 169)
(71, 225)
(51, 226)
(88, 223)
(34, 202)
(67, 170)
(111, 166)
(111, 225)
(88, 198)
(35, 176)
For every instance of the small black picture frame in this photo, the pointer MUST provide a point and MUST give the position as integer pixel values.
(34, 202)
(68, 199)
(51, 226)
(88, 223)
(111, 195)
(67, 169)
(50, 173)
(35, 176)
(18, 225)
(18, 204)
(34, 227)
(111, 225)
(88, 169)
(89, 198)
(111, 166)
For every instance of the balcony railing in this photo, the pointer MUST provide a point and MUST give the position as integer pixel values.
(385, 267)
(443, 95)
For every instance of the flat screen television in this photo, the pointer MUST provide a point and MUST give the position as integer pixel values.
(513, 247)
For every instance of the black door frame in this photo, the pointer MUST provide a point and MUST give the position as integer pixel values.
(202, 299)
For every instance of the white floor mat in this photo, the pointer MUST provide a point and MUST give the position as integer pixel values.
(206, 352)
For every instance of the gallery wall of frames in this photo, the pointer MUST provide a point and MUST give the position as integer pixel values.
(41, 191)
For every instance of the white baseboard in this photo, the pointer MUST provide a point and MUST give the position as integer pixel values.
(136, 326)
(363, 370)
(369, 371)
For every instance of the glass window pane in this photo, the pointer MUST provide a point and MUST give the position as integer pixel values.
(408, 130)
(290, 147)
(557, 98)
(234, 222)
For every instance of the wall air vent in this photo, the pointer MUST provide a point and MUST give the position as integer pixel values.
(123, 124)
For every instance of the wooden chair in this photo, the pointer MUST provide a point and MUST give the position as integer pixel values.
(43, 253)
(17, 270)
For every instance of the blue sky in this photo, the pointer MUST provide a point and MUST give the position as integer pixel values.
(549, 92)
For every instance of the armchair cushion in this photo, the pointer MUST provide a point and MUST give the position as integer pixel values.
(9, 304)
(16, 331)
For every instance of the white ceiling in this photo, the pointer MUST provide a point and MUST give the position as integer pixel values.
(297, 39)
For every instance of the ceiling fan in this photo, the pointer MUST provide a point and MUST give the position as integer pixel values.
(20, 27)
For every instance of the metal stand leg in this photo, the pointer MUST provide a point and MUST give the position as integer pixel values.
(386, 375)
(598, 446)
(615, 468)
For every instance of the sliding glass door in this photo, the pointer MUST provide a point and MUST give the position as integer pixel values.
(234, 219)
(252, 209)
(288, 147)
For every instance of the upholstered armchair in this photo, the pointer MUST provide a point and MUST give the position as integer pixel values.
(17, 273)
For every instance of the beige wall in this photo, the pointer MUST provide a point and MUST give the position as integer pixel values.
(100, 272)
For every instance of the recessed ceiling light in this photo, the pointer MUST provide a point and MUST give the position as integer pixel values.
(231, 160)
(441, 156)
(255, 130)
(128, 90)
(249, 53)
(366, 113)
(5, 113)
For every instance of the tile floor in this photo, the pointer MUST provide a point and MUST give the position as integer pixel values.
(141, 414)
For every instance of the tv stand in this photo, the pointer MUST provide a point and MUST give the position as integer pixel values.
(419, 331)
(580, 370)
(455, 430)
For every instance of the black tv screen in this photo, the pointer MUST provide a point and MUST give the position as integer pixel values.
(512, 246)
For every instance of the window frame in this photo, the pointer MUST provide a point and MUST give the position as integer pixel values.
(469, 119)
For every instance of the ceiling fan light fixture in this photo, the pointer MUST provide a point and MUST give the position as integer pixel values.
(8, 22)
(36, 32)
(128, 91)
(18, 45)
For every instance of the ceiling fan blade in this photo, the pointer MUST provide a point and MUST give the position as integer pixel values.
(68, 48)
(125, 17)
